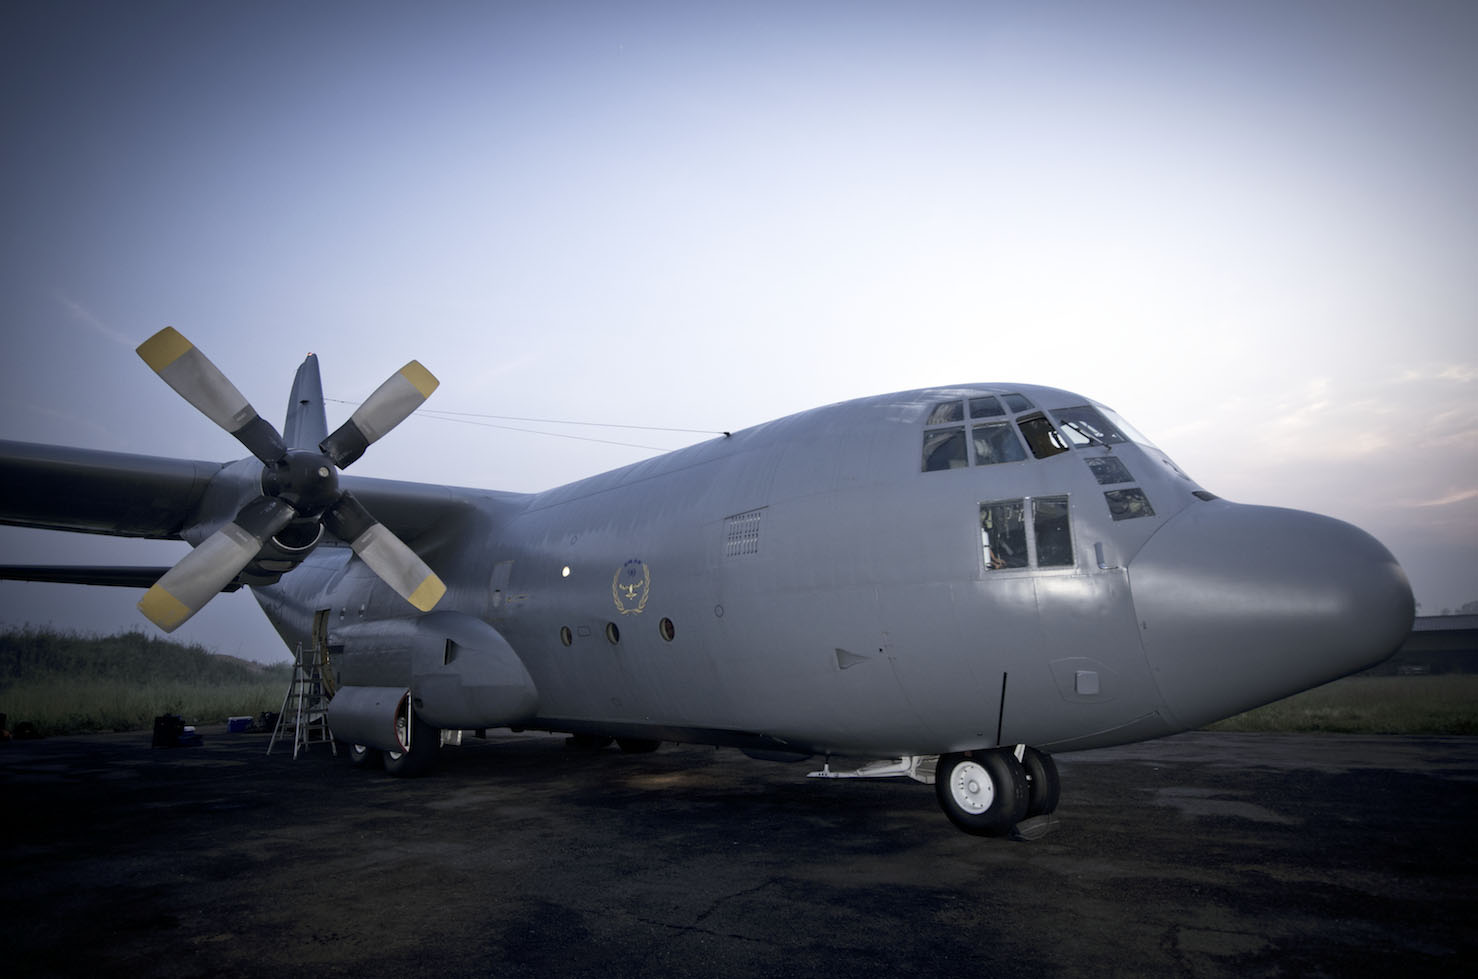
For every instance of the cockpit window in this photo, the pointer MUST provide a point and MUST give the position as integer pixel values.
(995, 443)
(944, 448)
(1085, 425)
(1007, 541)
(1130, 432)
(949, 411)
(1041, 436)
(986, 407)
(1016, 402)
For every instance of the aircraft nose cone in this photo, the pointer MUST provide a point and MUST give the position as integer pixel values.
(1242, 605)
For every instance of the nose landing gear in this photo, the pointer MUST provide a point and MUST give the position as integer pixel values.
(994, 792)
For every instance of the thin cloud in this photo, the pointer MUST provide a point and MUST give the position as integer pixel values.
(1460, 496)
(1461, 373)
(86, 317)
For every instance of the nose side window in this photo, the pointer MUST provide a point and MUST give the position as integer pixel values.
(1009, 540)
(1053, 531)
(1003, 534)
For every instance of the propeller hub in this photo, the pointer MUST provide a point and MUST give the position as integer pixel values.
(305, 479)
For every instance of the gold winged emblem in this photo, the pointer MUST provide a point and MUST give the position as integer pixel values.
(631, 587)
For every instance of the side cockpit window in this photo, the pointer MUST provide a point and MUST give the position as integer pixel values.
(944, 448)
(1008, 540)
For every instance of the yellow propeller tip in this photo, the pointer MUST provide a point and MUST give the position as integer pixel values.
(164, 348)
(421, 379)
(427, 594)
(163, 609)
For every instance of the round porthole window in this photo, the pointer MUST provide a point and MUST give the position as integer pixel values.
(612, 633)
(667, 629)
(566, 636)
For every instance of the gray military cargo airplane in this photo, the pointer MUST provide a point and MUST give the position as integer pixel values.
(956, 581)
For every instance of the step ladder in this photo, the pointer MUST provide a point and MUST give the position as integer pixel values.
(305, 707)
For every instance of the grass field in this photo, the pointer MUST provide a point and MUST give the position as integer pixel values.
(57, 707)
(62, 683)
(1446, 704)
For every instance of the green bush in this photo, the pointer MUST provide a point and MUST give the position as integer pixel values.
(66, 683)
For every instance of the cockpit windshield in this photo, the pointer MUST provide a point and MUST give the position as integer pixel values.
(990, 429)
(1085, 425)
(1090, 425)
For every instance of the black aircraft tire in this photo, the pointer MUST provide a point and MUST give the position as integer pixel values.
(983, 793)
(363, 756)
(1044, 786)
(637, 746)
(425, 746)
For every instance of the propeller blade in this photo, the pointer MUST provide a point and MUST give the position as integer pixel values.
(392, 403)
(184, 368)
(200, 575)
(387, 555)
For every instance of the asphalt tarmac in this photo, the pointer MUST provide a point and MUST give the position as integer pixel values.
(1203, 855)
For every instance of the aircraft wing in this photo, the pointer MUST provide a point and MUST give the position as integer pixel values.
(96, 492)
(123, 495)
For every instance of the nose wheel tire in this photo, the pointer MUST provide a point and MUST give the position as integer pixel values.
(984, 793)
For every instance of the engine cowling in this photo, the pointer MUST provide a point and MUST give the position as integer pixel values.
(378, 717)
(461, 674)
(465, 675)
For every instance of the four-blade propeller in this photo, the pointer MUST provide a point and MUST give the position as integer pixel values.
(297, 484)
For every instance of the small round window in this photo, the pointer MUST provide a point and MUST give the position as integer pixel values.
(613, 633)
(666, 629)
(566, 636)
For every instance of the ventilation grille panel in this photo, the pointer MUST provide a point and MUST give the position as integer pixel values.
(742, 533)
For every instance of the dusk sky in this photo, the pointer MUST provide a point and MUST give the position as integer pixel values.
(1251, 228)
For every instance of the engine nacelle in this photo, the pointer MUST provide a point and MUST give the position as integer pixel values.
(375, 716)
(461, 672)
(465, 675)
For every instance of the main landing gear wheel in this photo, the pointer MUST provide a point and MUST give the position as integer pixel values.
(1043, 785)
(425, 745)
(984, 793)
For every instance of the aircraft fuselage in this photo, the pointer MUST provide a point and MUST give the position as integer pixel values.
(891, 576)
